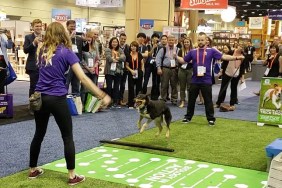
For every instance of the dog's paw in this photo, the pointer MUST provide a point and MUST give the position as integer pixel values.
(143, 127)
(167, 134)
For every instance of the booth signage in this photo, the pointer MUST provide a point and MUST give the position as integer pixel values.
(61, 15)
(146, 26)
(275, 15)
(270, 110)
(204, 4)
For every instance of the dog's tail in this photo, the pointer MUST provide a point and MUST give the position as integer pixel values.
(167, 116)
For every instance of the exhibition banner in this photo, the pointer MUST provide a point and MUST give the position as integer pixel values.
(147, 27)
(275, 15)
(204, 4)
(61, 15)
(270, 111)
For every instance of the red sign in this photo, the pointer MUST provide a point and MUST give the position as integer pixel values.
(204, 4)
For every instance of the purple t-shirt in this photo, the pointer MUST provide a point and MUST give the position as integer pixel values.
(211, 54)
(52, 78)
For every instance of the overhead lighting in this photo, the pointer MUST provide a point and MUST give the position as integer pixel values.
(248, 3)
(245, 11)
(260, 14)
(253, 12)
(229, 14)
(258, 5)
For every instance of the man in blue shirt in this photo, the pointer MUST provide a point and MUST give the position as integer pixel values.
(201, 59)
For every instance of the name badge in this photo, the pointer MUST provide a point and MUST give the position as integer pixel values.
(74, 48)
(184, 66)
(136, 74)
(113, 66)
(201, 70)
(249, 52)
(90, 62)
(172, 63)
(122, 65)
(266, 72)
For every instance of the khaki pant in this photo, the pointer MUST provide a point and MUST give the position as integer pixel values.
(169, 76)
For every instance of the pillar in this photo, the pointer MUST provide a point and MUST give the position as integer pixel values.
(193, 24)
(161, 11)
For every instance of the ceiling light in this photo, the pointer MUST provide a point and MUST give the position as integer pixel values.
(258, 5)
(253, 12)
(273, 10)
(248, 3)
(242, 16)
(260, 14)
(245, 11)
(229, 14)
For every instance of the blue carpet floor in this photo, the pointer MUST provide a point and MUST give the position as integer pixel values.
(15, 138)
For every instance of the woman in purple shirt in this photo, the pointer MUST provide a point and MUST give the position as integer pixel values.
(55, 58)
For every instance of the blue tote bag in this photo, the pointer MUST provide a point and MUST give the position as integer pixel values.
(11, 75)
(71, 104)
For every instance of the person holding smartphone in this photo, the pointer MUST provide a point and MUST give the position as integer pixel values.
(31, 43)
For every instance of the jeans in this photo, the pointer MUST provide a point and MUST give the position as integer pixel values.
(59, 108)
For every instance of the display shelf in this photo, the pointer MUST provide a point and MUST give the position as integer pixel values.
(225, 38)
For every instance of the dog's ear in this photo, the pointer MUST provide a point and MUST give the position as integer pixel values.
(275, 85)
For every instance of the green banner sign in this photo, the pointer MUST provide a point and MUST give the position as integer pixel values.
(270, 101)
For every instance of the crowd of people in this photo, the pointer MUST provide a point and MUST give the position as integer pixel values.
(61, 58)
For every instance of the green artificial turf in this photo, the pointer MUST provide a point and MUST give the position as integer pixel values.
(231, 142)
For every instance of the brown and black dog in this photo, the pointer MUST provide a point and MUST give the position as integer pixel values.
(156, 111)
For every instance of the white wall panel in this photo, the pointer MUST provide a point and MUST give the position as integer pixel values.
(32, 9)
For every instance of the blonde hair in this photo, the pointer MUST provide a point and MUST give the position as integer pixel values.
(55, 35)
(90, 34)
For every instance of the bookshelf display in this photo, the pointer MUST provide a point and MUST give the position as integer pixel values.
(225, 38)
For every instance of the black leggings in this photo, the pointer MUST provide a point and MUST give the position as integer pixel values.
(59, 108)
(3, 75)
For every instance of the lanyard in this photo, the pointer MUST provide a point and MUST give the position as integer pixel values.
(171, 53)
(272, 61)
(204, 56)
(132, 61)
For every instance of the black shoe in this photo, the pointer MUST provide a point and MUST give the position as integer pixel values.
(185, 120)
(211, 123)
